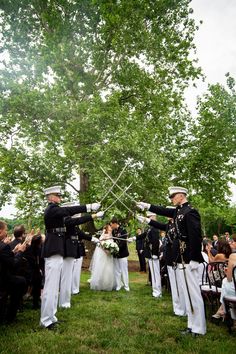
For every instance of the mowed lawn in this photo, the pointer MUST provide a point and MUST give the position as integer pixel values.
(113, 322)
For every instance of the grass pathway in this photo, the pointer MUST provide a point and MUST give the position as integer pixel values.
(113, 322)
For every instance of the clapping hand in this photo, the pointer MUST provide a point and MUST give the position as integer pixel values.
(19, 248)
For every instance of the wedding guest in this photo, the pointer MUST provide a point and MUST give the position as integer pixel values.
(19, 234)
(233, 243)
(140, 251)
(227, 236)
(14, 286)
(35, 264)
(215, 241)
(223, 252)
(227, 288)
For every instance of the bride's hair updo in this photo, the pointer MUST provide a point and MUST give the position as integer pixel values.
(106, 228)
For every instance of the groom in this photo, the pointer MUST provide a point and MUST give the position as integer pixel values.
(120, 259)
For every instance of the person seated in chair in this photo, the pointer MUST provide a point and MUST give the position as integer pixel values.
(228, 288)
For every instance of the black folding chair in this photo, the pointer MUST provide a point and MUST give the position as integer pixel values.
(211, 286)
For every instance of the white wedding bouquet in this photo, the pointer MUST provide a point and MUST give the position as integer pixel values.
(110, 246)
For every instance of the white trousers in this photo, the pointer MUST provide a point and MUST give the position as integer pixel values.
(53, 266)
(178, 302)
(196, 313)
(154, 266)
(76, 273)
(121, 273)
(65, 282)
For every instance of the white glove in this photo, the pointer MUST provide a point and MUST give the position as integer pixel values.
(142, 205)
(93, 207)
(95, 239)
(100, 214)
(154, 257)
(193, 265)
(131, 239)
(142, 219)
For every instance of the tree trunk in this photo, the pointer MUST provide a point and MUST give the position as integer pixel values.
(89, 226)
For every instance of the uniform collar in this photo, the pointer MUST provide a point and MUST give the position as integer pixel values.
(182, 205)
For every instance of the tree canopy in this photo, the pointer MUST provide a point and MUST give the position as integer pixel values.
(100, 83)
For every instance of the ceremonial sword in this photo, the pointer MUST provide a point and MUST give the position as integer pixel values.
(176, 284)
(117, 198)
(182, 247)
(116, 238)
(114, 182)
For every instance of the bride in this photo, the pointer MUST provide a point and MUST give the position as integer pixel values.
(102, 268)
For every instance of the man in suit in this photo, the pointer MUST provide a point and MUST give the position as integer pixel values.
(186, 254)
(121, 258)
(215, 242)
(140, 251)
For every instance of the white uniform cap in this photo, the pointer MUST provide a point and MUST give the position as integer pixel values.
(149, 213)
(69, 204)
(53, 190)
(175, 190)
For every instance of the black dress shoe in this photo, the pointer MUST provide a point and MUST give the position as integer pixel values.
(194, 335)
(52, 326)
(186, 331)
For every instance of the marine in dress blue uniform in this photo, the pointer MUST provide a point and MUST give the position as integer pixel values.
(56, 220)
(186, 254)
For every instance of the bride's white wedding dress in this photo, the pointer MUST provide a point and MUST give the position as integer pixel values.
(102, 268)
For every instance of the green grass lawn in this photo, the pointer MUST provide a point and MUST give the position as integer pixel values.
(113, 322)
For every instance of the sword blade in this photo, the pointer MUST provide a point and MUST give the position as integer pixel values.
(176, 283)
(122, 202)
(114, 182)
(117, 198)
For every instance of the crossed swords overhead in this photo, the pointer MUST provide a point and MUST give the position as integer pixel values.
(110, 190)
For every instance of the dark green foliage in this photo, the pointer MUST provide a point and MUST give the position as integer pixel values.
(86, 84)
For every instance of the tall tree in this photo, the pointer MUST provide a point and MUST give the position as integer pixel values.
(211, 165)
(95, 83)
